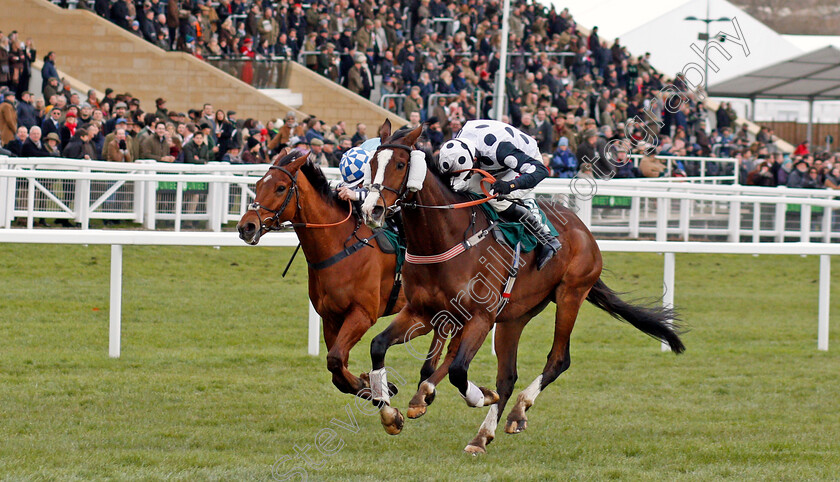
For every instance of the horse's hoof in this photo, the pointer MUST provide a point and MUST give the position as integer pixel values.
(392, 420)
(516, 426)
(365, 378)
(490, 396)
(474, 450)
(416, 412)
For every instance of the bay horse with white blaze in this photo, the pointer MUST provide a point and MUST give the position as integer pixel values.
(436, 282)
(351, 281)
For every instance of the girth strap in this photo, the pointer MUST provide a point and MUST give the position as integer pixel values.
(451, 252)
(395, 294)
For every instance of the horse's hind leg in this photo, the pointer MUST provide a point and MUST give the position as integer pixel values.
(426, 390)
(569, 300)
(472, 337)
(507, 344)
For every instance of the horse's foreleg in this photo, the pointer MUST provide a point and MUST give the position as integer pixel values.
(353, 328)
(405, 326)
(507, 344)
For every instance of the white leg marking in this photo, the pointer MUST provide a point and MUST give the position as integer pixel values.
(490, 421)
(530, 393)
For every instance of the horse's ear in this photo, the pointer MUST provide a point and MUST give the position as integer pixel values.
(412, 136)
(385, 130)
(297, 163)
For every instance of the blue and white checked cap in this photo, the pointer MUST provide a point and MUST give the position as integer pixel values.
(352, 165)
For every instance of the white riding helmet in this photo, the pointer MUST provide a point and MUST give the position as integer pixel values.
(455, 155)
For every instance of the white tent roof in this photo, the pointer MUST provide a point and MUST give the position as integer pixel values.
(815, 75)
(658, 27)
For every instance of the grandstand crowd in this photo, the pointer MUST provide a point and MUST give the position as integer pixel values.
(575, 93)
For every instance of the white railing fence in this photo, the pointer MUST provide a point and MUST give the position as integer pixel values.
(119, 238)
(169, 195)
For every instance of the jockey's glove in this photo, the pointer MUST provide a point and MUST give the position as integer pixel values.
(503, 187)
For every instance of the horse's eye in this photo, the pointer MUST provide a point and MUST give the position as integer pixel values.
(400, 165)
(281, 188)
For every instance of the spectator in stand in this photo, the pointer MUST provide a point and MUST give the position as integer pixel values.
(803, 149)
(8, 118)
(563, 163)
(79, 146)
(360, 136)
(27, 116)
(16, 146)
(799, 177)
(157, 146)
(52, 145)
(33, 147)
(197, 151)
(68, 129)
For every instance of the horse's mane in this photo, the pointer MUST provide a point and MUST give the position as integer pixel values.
(316, 178)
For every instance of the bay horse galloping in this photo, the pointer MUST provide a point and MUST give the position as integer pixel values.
(351, 281)
(450, 272)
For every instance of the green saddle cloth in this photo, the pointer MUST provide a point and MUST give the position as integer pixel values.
(514, 232)
(397, 244)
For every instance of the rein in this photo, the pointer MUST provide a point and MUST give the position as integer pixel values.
(486, 177)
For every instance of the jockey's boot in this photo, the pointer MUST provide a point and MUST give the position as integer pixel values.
(548, 244)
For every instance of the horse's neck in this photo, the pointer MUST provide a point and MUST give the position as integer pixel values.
(432, 231)
(319, 243)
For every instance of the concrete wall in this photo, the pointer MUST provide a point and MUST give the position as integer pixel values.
(332, 102)
(102, 55)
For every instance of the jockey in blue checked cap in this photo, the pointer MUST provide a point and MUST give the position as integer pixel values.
(352, 166)
(514, 159)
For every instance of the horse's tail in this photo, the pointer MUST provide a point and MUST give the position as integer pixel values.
(655, 321)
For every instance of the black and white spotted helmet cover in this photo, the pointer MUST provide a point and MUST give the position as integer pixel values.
(455, 155)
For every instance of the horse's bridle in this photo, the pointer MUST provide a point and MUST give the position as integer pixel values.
(402, 192)
(275, 220)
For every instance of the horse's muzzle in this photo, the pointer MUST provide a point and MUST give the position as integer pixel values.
(249, 232)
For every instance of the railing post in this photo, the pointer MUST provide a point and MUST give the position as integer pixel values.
(585, 210)
(214, 207)
(179, 203)
(30, 202)
(151, 201)
(805, 223)
(82, 199)
(826, 224)
(825, 291)
(756, 222)
(116, 301)
(314, 330)
(685, 219)
(780, 221)
(662, 210)
(734, 221)
(7, 208)
(635, 207)
(668, 287)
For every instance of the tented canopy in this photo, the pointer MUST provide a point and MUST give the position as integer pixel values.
(814, 75)
(809, 77)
